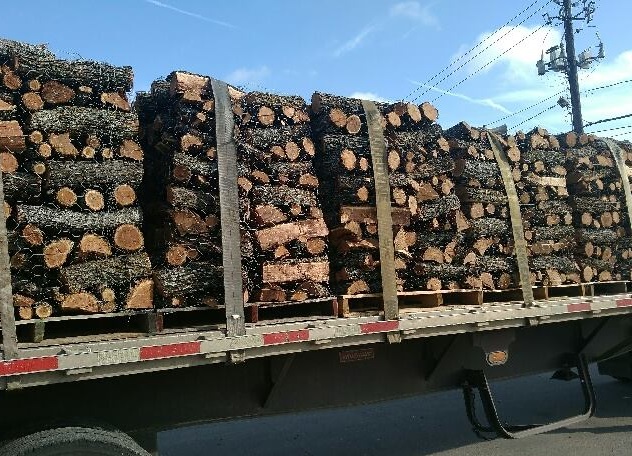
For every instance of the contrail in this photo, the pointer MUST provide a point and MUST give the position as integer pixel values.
(479, 101)
(189, 13)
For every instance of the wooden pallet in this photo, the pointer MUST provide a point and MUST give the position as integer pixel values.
(291, 310)
(176, 319)
(414, 300)
(93, 326)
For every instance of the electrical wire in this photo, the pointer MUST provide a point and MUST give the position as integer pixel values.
(488, 63)
(607, 86)
(527, 108)
(555, 95)
(621, 134)
(425, 84)
(611, 129)
(533, 117)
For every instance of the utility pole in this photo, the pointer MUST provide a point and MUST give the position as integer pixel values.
(571, 64)
(573, 80)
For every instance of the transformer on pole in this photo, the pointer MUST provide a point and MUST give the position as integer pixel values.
(562, 58)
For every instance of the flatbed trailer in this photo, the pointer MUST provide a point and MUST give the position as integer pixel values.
(142, 384)
(109, 392)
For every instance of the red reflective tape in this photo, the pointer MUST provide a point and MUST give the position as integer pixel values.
(626, 302)
(379, 326)
(286, 337)
(29, 365)
(579, 307)
(170, 351)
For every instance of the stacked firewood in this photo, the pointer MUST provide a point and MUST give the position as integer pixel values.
(547, 215)
(180, 193)
(425, 211)
(623, 266)
(71, 171)
(598, 203)
(487, 250)
(284, 248)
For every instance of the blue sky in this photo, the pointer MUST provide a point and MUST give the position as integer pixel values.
(377, 49)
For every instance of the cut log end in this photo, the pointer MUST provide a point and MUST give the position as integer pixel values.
(56, 253)
(128, 237)
(93, 245)
(66, 197)
(94, 200)
(141, 296)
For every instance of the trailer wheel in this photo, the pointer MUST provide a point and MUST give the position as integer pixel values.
(74, 441)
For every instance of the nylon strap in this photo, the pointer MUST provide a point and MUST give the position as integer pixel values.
(520, 244)
(229, 210)
(617, 153)
(7, 317)
(383, 204)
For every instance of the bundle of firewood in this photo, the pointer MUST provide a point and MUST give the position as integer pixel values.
(623, 266)
(487, 250)
(71, 171)
(599, 208)
(284, 248)
(425, 210)
(547, 215)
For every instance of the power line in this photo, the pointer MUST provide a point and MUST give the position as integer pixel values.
(425, 84)
(607, 86)
(527, 108)
(621, 134)
(613, 128)
(608, 120)
(594, 89)
(533, 117)
(488, 63)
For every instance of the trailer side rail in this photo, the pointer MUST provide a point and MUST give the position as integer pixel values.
(67, 362)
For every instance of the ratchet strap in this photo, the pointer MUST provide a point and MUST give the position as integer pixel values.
(383, 204)
(619, 159)
(229, 210)
(520, 244)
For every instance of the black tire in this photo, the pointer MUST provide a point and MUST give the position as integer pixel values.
(74, 441)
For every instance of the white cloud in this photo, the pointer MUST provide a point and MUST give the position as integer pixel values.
(355, 41)
(415, 11)
(517, 47)
(245, 76)
(517, 84)
(369, 96)
(191, 14)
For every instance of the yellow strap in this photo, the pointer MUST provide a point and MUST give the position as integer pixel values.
(383, 204)
(520, 244)
(619, 158)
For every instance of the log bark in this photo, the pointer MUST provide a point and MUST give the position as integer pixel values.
(76, 73)
(194, 279)
(203, 202)
(83, 173)
(76, 222)
(109, 272)
(21, 187)
(80, 120)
